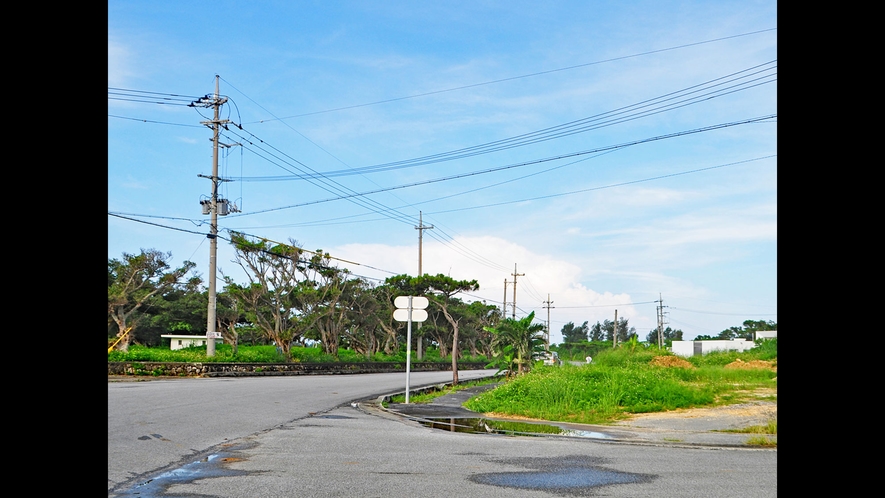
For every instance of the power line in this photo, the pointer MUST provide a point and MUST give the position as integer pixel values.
(601, 188)
(395, 99)
(638, 110)
(726, 314)
(155, 122)
(250, 235)
(526, 163)
(330, 186)
(329, 222)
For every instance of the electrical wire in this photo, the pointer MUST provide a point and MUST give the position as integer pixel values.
(522, 164)
(631, 112)
(395, 99)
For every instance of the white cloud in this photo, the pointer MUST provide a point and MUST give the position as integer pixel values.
(541, 275)
(119, 71)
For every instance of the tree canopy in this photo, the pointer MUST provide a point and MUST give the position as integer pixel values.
(133, 281)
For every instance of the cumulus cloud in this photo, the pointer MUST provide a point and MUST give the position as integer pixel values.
(540, 275)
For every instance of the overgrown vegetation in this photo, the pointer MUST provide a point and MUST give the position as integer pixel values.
(761, 441)
(269, 354)
(622, 381)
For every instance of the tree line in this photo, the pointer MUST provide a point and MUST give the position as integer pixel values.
(293, 297)
(604, 331)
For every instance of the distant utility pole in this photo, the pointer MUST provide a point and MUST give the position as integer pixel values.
(660, 320)
(549, 304)
(504, 307)
(615, 334)
(514, 288)
(421, 227)
(660, 302)
(212, 206)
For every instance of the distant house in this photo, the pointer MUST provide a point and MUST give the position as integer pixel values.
(186, 341)
(766, 334)
(692, 348)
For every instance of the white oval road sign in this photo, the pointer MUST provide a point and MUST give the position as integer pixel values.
(418, 302)
(402, 315)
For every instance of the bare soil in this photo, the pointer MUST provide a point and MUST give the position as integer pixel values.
(757, 409)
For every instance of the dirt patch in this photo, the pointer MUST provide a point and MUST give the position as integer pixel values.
(670, 361)
(757, 409)
(768, 365)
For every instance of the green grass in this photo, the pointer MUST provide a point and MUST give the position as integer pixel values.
(432, 395)
(620, 382)
(761, 441)
(768, 428)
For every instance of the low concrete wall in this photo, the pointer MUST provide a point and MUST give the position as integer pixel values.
(157, 368)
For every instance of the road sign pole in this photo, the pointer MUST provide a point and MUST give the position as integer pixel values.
(408, 348)
(409, 308)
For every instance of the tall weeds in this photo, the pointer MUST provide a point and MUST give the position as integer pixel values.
(618, 382)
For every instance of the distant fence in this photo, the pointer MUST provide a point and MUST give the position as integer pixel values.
(181, 369)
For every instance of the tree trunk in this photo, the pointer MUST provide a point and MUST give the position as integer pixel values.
(454, 325)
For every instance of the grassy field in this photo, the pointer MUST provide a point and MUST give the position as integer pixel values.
(623, 381)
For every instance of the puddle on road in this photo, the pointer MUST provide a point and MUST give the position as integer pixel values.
(487, 426)
(208, 466)
(557, 479)
(564, 475)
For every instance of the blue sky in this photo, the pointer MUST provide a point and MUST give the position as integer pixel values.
(629, 149)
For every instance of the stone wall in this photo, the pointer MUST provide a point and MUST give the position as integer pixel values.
(213, 369)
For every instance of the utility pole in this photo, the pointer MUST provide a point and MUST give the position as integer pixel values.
(504, 307)
(514, 288)
(421, 227)
(660, 302)
(660, 320)
(213, 207)
(615, 335)
(549, 304)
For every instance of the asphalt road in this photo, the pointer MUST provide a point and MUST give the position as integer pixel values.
(301, 436)
(159, 424)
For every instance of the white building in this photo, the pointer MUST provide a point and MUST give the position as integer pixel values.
(766, 334)
(186, 341)
(691, 348)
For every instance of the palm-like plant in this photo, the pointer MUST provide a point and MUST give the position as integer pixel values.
(520, 339)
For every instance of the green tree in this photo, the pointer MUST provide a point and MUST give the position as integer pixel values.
(668, 336)
(597, 333)
(730, 333)
(520, 339)
(179, 309)
(133, 281)
(752, 326)
(480, 315)
(282, 293)
(441, 289)
(625, 331)
(570, 333)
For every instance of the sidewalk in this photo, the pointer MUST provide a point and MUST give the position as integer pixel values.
(692, 428)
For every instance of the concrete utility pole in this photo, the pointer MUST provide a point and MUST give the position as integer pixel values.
(615, 335)
(660, 321)
(421, 227)
(549, 304)
(504, 306)
(514, 288)
(215, 124)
